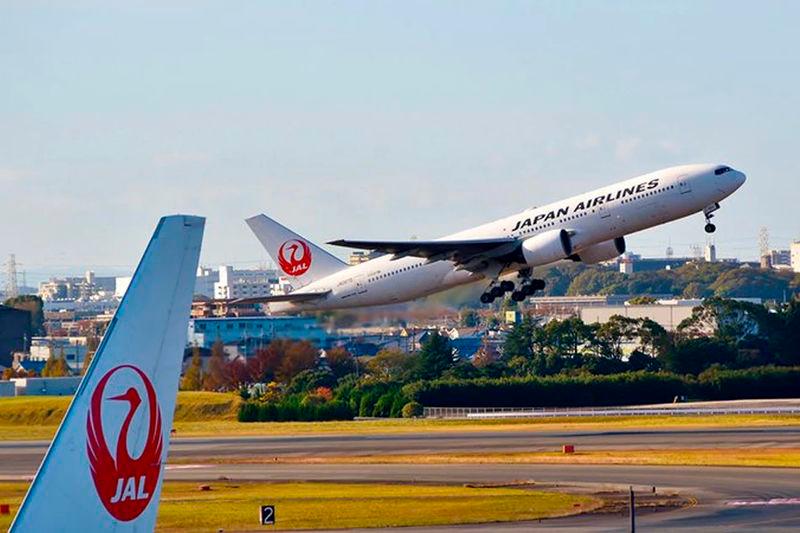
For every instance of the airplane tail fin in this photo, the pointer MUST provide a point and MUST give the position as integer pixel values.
(104, 468)
(298, 258)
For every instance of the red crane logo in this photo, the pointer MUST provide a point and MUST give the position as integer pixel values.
(294, 257)
(124, 484)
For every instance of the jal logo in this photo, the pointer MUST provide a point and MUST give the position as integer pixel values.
(125, 478)
(294, 257)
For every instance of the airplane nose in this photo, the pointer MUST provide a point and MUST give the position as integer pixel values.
(740, 179)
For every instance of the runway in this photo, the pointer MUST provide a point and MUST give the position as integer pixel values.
(25, 456)
(727, 498)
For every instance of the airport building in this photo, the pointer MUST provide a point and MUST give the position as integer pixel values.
(247, 334)
(667, 316)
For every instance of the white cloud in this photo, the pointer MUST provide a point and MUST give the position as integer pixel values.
(626, 148)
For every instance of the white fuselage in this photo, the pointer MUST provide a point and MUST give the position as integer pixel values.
(593, 217)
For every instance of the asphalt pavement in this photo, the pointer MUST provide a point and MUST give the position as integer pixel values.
(737, 498)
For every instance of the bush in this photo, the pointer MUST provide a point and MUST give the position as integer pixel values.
(551, 391)
(758, 382)
(412, 410)
(294, 409)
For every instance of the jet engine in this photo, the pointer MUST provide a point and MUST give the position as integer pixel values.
(603, 251)
(546, 248)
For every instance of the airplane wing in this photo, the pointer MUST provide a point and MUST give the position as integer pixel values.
(291, 297)
(462, 252)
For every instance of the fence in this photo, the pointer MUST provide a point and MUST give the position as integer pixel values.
(529, 412)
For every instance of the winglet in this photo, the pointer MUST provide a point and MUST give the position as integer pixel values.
(104, 468)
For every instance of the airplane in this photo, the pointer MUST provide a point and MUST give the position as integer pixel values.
(105, 466)
(589, 227)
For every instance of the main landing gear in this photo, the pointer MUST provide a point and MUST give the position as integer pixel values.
(527, 287)
(710, 228)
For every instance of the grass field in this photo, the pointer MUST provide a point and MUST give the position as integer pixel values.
(234, 506)
(213, 414)
(37, 417)
(762, 457)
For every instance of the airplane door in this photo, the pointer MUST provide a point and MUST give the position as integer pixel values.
(684, 186)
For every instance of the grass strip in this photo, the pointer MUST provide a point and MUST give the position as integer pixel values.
(234, 506)
(759, 457)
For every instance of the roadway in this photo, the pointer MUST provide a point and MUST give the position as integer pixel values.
(728, 498)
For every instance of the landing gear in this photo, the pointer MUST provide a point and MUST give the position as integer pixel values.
(519, 291)
(507, 285)
(710, 228)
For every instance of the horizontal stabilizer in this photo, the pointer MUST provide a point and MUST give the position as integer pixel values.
(292, 297)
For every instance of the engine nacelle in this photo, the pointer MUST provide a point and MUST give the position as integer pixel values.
(604, 251)
(546, 248)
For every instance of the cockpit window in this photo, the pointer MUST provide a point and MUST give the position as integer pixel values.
(722, 170)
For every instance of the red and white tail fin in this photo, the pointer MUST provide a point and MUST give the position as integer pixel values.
(297, 258)
(104, 468)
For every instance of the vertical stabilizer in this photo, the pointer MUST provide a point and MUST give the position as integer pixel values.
(297, 258)
(104, 468)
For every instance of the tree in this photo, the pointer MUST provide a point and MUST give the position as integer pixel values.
(55, 367)
(519, 341)
(214, 378)
(642, 300)
(311, 379)
(692, 356)
(193, 377)
(469, 318)
(265, 363)
(340, 361)
(615, 332)
(435, 357)
(236, 374)
(298, 356)
(86, 362)
(390, 365)
(35, 306)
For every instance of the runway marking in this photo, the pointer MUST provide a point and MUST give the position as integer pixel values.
(184, 467)
(772, 501)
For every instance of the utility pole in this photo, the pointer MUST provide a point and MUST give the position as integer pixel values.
(632, 513)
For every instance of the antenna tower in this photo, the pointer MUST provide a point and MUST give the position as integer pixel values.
(12, 289)
(763, 241)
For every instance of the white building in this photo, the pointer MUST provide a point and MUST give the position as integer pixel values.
(245, 283)
(780, 258)
(710, 253)
(205, 280)
(795, 256)
(74, 350)
(121, 285)
(89, 287)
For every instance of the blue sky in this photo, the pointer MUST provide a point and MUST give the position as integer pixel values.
(380, 119)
